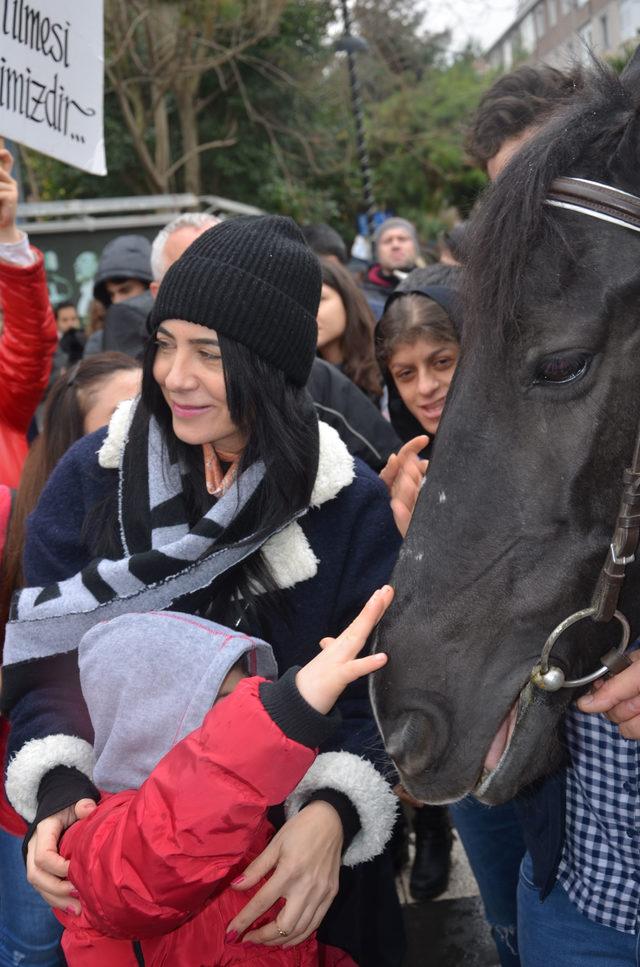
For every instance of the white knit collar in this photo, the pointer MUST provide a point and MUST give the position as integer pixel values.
(288, 554)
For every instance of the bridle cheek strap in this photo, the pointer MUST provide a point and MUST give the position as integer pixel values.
(623, 547)
(619, 208)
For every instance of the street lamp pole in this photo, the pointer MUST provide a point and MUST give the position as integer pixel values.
(351, 45)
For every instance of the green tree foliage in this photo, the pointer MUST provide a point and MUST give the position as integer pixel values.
(418, 150)
(248, 99)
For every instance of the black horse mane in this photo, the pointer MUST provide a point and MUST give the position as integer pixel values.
(597, 136)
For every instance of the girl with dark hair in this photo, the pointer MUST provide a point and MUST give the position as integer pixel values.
(80, 401)
(217, 493)
(345, 329)
(417, 345)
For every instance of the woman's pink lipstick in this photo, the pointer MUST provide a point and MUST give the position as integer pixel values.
(185, 412)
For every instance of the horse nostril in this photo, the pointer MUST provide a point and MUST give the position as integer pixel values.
(417, 741)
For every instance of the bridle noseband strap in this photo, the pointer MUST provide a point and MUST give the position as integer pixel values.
(595, 199)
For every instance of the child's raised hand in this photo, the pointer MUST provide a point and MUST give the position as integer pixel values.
(322, 680)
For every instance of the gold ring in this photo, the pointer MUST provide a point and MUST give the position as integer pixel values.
(283, 933)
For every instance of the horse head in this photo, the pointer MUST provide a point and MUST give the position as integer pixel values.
(516, 516)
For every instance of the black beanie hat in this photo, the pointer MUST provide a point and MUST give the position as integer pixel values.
(255, 280)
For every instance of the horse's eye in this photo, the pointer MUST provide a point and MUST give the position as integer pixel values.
(562, 368)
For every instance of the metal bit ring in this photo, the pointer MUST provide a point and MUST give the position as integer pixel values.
(551, 678)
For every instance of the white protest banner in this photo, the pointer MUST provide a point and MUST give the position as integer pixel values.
(51, 79)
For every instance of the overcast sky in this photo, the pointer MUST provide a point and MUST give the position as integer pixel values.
(480, 20)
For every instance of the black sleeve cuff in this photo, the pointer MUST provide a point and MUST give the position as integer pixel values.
(291, 713)
(59, 788)
(345, 809)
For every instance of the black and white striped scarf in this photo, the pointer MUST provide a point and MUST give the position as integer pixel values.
(164, 559)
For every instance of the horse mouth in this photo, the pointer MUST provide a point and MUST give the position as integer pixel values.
(499, 748)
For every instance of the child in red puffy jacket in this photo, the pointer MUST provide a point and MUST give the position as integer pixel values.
(187, 787)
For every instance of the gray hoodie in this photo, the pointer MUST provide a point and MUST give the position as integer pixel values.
(149, 680)
(124, 257)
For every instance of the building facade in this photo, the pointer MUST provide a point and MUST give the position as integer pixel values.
(559, 32)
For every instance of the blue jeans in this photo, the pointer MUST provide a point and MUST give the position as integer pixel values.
(29, 932)
(555, 932)
(493, 841)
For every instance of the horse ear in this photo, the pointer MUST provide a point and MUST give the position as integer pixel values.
(630, 76)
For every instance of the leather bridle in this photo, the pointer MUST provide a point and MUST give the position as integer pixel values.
(619, 208)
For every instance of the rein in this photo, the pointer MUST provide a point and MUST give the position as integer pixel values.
(619, 208)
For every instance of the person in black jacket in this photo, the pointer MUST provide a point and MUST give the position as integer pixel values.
(122, 286)
(397, 252)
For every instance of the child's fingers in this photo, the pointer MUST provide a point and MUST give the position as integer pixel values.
(360, 667)
(354, 637)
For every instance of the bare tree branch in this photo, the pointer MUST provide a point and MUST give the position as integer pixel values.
(207, 146)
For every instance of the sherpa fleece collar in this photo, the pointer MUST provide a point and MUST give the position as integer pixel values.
(288, 554)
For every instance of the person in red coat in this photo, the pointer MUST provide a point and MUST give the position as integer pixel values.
(185, 801)
(29, 335)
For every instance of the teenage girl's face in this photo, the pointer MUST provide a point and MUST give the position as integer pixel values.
(422, 371)
(102, 399)
(332, 319)
(188, 370)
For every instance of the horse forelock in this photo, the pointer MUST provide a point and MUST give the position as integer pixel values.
(596, 136)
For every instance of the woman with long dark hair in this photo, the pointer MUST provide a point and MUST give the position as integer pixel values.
(345, 329)
(218, 493)
(80, 401)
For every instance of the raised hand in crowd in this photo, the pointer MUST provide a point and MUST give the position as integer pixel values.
(403, 476)
(305, 853)
(8, 199)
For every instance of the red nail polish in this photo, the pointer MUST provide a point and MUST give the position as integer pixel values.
(237, 880)
(75, 894)
(232, 936)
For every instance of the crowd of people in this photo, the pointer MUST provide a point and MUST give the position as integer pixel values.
(203, 492)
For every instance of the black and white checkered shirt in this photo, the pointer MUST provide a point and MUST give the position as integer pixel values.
(600, 865)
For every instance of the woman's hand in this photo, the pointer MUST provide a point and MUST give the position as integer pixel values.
(618, 698)
(403, 475)
(46, 869)
(322, 680)
(305, 856)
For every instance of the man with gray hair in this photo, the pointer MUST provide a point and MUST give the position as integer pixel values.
(397, 252)
(174, 239)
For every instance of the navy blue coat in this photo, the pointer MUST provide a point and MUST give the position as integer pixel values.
(353, 536)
